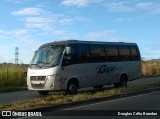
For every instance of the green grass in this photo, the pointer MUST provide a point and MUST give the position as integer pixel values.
(58, 99)
(12, 76)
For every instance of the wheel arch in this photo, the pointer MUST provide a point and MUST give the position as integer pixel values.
(73, 79)
(125, 74)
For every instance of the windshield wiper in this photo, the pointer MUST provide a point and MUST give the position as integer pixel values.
(36, 65)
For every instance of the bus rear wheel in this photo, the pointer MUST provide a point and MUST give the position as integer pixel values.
(43, 92)
(123, 82)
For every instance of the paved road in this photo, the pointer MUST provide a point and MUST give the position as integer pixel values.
(148, 101)
(11, 97)
(134, 105)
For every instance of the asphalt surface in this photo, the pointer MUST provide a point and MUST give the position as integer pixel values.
(148, 101)
(12, 97)
(128, 107)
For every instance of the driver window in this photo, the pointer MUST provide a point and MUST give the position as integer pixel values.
(71, 58)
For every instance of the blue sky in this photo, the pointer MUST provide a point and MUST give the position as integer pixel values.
(27, 24)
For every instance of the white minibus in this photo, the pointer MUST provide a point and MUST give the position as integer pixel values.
(73, 64)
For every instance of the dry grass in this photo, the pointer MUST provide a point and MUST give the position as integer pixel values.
(63, 99)
(13, 76)
(150, 68)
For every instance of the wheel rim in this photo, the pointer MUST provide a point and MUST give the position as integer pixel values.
(72, 88)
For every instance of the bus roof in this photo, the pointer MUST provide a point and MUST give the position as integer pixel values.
(67, 42)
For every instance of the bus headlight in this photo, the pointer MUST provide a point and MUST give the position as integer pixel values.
(50, 77)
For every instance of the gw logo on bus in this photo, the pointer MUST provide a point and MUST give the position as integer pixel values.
(106, 68)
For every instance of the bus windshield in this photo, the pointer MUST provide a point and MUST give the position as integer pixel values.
(48, 56)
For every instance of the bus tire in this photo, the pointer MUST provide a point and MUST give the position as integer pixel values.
(71, 88)
(43, 92)
(123, 81)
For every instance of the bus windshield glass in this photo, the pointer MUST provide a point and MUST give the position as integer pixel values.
(48, 56)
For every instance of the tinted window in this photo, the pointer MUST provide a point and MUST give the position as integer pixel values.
(111, 53)
(124, 53)
(71, 58)
(134, 53)
(97, 53)
(83, 53)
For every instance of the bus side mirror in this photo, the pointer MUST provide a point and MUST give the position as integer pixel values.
(68, 50)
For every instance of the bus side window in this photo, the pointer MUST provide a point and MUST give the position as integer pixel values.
(97, 53)
(134, 53)
(83, 53)
(111, 53)
(124, 53)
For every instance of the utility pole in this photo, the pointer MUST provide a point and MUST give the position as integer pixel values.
(16, 55)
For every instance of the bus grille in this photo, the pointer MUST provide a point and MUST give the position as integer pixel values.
(38, 79)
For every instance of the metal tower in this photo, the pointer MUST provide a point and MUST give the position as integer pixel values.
(16, 55)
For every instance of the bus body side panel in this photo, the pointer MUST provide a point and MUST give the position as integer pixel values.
(68, 72)
(88, 75)
(134, 70)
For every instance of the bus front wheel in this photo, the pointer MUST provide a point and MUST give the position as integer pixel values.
(71, 88)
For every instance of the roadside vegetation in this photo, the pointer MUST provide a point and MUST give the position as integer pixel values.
(12, 77)
(59, 99)
(150, 68)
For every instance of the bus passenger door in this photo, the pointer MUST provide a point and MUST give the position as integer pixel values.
(69, 66)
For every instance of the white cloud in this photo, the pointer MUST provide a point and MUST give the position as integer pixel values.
(31, 11)
(145, 5)
(72, 20)
(119, 7)
(17, 38)
(122, 19)
(18, 1)
(101, 33)
(109, 35)
(155, 11)
(152, 8)
(38, 22)
(45, 22)
(123, 6)
(36, 17)
(19, 32)
(106, 35)
(79, 3)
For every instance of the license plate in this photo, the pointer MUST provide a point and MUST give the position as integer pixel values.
(37, 82)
